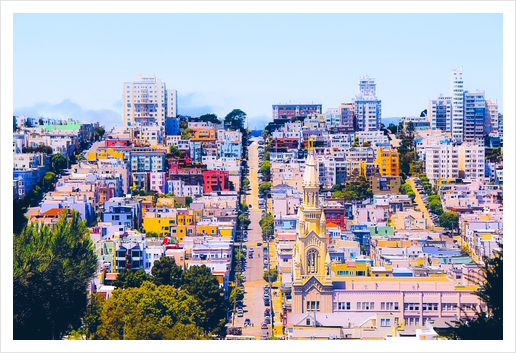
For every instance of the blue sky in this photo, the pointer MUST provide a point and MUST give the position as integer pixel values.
(74, 64)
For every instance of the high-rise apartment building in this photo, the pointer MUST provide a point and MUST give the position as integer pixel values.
(500, 127)
(441, 161)
(492, 111)
(367, 107)
(440, 113)
(147, 101)
(474, 115)
(457, 93)
(347, 116)
(472, 162)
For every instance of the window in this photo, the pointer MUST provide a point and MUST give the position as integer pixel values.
(348, 306)
(365, 306)
(358, 305)
(385, 322)
(396, 306)
(372, 306)
(382, 306)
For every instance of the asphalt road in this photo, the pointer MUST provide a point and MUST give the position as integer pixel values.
(253, 301)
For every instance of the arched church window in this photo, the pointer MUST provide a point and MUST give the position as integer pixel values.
(312, 261)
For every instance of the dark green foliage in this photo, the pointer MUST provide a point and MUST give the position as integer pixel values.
(267, 225)
(407, 190)
(449, 220)
(131, 279)
(359, 189)
(211, 118)
(51, 270)
(166, 272)
(244, 221)
(174, 151)
(235, 119)
(237, 293)
(485, 324)
(99, 132)
(265, 186)
(273, 274)
(19, 219)
(392, 128)
(150, 312)
(204, 287)
(42, 149)
(59, 162)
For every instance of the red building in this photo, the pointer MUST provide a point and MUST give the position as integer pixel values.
(182, 169)
(118, 143)
(289, 111)
(216, 180)
(285, 143)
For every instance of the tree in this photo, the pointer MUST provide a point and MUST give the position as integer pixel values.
(265, 187)
(59, 162)
(356, 143)
(423, 113)
(267, 225)
(265, 169)
(19, 219)
(392, 128)
(231, 186)
(244, 220)
(272, 275)
(243, 207)
(235, 119)
(449, 220)
(166, 272)
(92, 316)
(337, 194)
(152, 234)
(366, 144)
(50, 272)
(48, 180)
(99, 132)
(131, 279)
(238, 294)
(245, 183)
(204, 287)
(485, 324)
(174, 151)
(187, 134)
(211, 118)
(188, 201)
(411, 128)
(150, 312)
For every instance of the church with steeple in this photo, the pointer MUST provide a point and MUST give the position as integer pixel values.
(312, 283)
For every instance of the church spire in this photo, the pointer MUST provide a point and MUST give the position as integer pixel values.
(311, 178)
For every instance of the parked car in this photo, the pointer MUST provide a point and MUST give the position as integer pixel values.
(267, 319)
(250, 255)
(264, 325)
(265, 287)
(240, 312)
(247, 322)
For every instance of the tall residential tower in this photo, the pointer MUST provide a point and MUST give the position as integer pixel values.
(367, 107)
(457, 93)
(147, 101)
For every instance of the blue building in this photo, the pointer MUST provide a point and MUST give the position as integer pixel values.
(230, 149)
(475, 116)
(172, 126)
(123, 211)
(362, 235)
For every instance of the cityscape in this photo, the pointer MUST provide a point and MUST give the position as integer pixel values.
(329, 221)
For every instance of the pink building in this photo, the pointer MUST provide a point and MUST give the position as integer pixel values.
(157, 182)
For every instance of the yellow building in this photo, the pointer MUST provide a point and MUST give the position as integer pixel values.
(105, 154)
(204, 135)
(388, 162)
